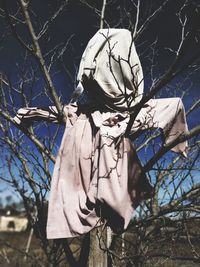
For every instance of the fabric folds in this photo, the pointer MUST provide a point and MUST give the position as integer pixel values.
(97, 177)
(110, 64)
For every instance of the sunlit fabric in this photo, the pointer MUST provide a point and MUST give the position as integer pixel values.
(97, 176)
(110, 61)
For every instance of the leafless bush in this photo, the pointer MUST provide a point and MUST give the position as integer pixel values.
(171, 68)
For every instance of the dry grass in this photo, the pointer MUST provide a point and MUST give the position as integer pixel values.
(164, 249)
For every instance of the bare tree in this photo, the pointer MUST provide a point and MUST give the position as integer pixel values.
(28, 152)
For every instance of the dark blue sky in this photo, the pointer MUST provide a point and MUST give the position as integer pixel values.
(78, 23)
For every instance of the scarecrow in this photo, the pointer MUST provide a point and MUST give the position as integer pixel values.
(98, 178)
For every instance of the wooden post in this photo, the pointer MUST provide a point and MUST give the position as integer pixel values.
(99, 242)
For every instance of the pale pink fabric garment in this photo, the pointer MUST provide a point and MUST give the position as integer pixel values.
(97, 176)
(167, 114)
(97, 173)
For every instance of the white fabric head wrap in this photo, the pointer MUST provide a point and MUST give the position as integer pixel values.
(110, 59)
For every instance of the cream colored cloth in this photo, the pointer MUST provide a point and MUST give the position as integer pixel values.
(111, 60)
(97, 175)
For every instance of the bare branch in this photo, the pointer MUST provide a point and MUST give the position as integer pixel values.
(150, 18)
(102, 14)
(39, 57)
(165, 148)
(32, 137)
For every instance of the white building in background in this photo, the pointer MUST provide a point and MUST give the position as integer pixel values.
(13, 223)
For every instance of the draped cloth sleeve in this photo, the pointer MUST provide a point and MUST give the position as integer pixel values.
(29, 114)
(168, 114)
